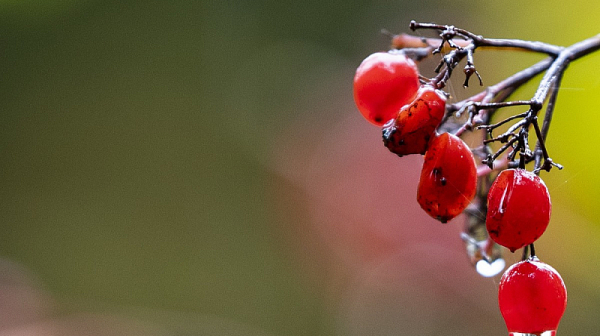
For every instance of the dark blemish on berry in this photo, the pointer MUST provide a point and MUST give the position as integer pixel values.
(428, 107)
(494, 232)
(443, 181)
(378, 119)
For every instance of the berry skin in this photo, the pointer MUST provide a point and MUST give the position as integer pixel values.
(532, 297)
(384, 82)
(449, 178)
(518, 208)
(410, 132)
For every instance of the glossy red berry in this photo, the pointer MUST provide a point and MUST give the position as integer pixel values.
(448, 179)
(411, 130)
(532, 297)
(384, 82)
(518, 208)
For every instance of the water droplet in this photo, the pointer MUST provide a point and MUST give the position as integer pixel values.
(487, 269)
(483, 253)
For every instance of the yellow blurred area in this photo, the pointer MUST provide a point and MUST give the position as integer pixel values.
(199, 168)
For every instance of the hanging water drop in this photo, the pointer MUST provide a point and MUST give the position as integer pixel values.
(483, 253)
(487, 269)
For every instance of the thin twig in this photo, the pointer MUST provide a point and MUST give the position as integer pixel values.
(491, 127)
(480, 41)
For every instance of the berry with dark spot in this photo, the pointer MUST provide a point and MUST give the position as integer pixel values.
(383, 83)
(449, 178)
(411, 130)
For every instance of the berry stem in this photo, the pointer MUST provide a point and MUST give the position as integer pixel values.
(543, 133)
(525, 253)
(491, 127)
(542, 146)
(490, 160)
(528, 252)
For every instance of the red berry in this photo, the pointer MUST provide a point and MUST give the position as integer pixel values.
(409, 133)
(532, 297)
(448, 179)
(384, 82)
(518, 208)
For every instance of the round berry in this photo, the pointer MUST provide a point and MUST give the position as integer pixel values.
(518, 208)
(384, 82)
(410, 132)
(449, 178)
(532, 297)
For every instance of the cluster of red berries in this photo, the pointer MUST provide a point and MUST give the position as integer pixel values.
(389, 93)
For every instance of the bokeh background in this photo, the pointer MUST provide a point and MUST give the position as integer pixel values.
(199, 168)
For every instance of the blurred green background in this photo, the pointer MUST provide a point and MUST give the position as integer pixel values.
(199, 167)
